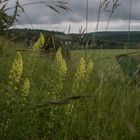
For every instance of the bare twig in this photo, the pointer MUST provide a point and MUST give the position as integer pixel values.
(129, 26)
(59, 102)
(115, 5)
(87, 16)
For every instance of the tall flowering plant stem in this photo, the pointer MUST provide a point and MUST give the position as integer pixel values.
(16, 72)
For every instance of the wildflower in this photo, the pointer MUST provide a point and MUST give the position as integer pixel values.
(89, 68)
(61, 70)
(59, 57)
(26, 88)
(39, 43)
(16, 70)
(79, 77)
(64, 68)
(61, 64)
(80, 73)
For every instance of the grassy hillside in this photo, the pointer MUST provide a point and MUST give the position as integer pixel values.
(110, 40)
(57, 99)
(118, 35)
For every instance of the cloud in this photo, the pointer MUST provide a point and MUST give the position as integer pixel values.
(41, 15)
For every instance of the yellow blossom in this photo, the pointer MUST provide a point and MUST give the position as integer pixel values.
(61, 64)
(80, 73)
(89, 68)
(26, 88)
(39, 43)
(64, 68)
(79, 76)
(16, 70)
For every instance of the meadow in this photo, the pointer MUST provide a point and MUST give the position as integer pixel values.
(80, 98)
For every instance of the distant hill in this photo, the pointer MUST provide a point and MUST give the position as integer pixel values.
(30, 33)
(111, 39)
(117, 35)
(114, 39)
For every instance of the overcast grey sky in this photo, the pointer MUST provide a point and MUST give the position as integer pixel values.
(44, 18)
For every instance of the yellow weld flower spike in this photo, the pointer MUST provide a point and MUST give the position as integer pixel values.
(80, 73)
(64, 68)
(89, 68)
(39, 43)
(59, 57)
(26, 88)
(16, 70)
(61, 64)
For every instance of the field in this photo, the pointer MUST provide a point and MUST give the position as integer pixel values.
(104, 59)
(81, 98)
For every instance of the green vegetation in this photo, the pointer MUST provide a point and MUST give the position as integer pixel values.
(77, 98)
(108, 40)
(89, 95)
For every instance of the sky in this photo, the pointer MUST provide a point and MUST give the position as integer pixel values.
(42, 17)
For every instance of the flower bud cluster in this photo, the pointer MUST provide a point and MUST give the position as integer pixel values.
(26, 88)
(16, 71)
(61, 64)
(39, 43)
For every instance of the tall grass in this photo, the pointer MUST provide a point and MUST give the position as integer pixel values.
(129, 25)
(65, 102)
(58, 99)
